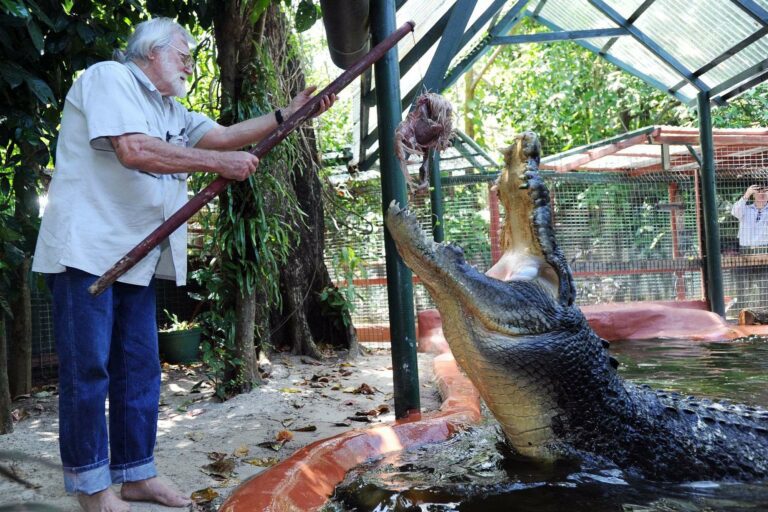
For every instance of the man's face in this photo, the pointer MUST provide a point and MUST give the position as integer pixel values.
(173, 68)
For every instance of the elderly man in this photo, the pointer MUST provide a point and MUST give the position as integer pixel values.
(123, 151)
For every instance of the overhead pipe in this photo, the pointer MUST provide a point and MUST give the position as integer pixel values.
(347, 29)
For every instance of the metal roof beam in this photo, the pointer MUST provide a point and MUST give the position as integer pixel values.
(727, 54)
(449, 45)
(539, 7)
(753, 9)
(649, 44)
(740, 78)
(743, 87)
(502, 27)
(631, 20)
(418, 50)
(559, 36)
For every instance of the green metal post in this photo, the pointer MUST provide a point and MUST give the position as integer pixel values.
(399, 280)
(714, 273)
(436, 196)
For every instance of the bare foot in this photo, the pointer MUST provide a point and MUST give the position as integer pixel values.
(155, 490)
(104, 501)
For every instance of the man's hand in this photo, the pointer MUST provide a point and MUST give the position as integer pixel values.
(236, 165)
(303, 97)
(751, 191)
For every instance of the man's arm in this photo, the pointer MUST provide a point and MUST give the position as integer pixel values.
(253, 130)
(140, 151)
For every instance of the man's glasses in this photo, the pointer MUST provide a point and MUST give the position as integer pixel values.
(186, 58)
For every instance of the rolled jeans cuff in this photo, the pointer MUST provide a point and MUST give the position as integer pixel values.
(134, 472)
(88, 479)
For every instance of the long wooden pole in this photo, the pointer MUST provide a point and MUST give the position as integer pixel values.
(262, 148)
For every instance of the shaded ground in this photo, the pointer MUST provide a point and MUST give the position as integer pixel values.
(208, 447)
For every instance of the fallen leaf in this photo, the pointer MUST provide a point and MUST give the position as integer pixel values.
(363, 418)
(287, 422)
(194, 436)
(308, 428)
(350, 389)
(345, 373)
(283, 436)
(364, 389)
(290, 390)
(342, 424)
(310, 361)
(272, 445)
(383, 408)
(336, 387)
(263, 462)
(347, 365)
(221, 468)
(216, 455)
(241, 451)
(204, 495)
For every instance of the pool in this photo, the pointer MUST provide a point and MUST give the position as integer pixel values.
(474, 471)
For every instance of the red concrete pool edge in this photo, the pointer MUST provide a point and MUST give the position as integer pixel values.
(306, 480)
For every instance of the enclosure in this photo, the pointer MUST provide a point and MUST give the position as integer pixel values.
(627, 215)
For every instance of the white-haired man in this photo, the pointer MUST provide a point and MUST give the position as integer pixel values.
(123, 150)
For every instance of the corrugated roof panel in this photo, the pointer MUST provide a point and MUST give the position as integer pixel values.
(575, 15)
(629, 50)
(692, 30)
(748, 57)
(624, 7)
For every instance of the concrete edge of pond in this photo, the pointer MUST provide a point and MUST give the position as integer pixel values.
(306, 480)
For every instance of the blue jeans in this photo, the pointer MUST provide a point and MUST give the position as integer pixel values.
(107, 347)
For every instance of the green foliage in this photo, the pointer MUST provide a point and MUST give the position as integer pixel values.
(464, 221)
(307, 14)
(339, 302)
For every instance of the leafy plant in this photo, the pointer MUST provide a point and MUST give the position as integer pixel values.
(175, 325)
(340, 299)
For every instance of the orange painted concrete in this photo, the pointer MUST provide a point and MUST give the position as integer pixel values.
(306, 480)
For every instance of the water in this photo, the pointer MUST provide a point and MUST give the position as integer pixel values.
(475, 472)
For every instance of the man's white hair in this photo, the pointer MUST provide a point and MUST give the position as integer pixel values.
(149, 35)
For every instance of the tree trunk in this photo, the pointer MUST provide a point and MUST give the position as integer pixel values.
(247, 373)
(234, 33)
(20, 355)
(307, 275)
(6, 423)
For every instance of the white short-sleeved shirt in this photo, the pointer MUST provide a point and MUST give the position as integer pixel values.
(753, 224)
(98, 210)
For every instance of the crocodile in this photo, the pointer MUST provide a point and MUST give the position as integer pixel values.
(544, 374)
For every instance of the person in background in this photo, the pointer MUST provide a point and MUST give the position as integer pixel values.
(123, 151)
(753, 218)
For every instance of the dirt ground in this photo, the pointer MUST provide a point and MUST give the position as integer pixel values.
(206, 447)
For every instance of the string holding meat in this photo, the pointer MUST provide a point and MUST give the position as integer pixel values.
(429, 125)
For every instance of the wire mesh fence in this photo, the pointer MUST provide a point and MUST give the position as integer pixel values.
(629, 234)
